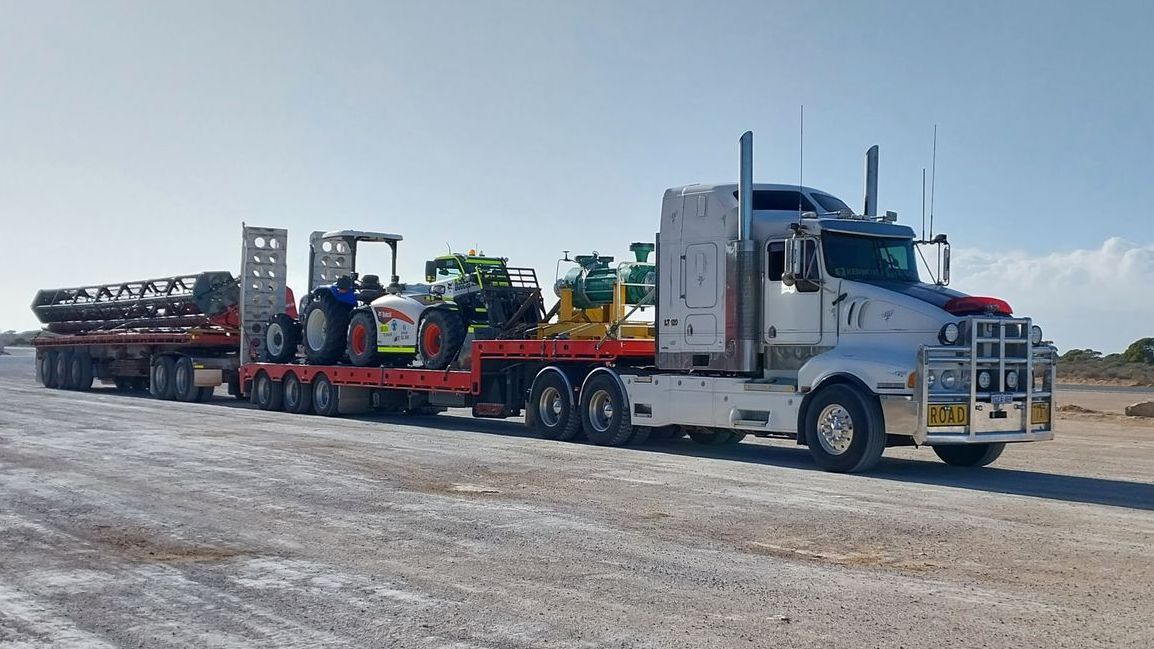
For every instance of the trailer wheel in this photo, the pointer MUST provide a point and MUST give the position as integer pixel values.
(46, 369)
(80, 371)
(362, 347)
(184, 380)
(326, 397)
(844, 429)
(267, 394)
(604, 415)
(298, 397)
(969, 454)
(551, 411)
(160, 383)
(63, 371)
(325, 323)
(282, 336)
(439, 338)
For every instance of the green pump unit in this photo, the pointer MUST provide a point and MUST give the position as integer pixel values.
(592, 280)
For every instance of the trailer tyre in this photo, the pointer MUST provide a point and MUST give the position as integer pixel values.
(80, 371)
(282, 336)
(551, 410)
(46, 369)
(844, 429)
(439, 338)
(325, 324)
(362, 346)
(63, 370)
(604, 414)
(267, 394)
(715, 436)
(298, 397)
(184, 380)
(326, 396)
(161, 384)
(969, 454)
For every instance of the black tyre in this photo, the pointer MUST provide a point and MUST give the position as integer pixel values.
(604, 415)
(161, 384)
(46, 369)
(63, 370)
(362, 336)
(184, 380)
(969, 454)
(439, 338)
(80, 371)
(298, 397)
(640, 435)
(324, 325)
(551, 410)
(267, 394)
(206, 393)
(844, 429)
(715, 436)
(282, 336)
(326, 397)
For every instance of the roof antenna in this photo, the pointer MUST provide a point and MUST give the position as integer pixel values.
(933, 179)
(801, 163)
(923, 203)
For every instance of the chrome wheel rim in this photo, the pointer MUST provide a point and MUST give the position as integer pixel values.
(315, 329)
(263, 389)
(835, 429)
(321, 393)
(549, 407)
(600, 410)
(292, 390)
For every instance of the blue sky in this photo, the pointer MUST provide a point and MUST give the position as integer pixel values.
(135, 137)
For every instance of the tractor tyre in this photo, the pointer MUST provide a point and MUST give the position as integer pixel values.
(282, 336)
(439, 338)
(298, 397)
(161, 384)
(80, 371)
(325, 325)
(184, 380)
(362, 347)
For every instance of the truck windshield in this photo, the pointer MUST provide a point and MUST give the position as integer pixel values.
(869, 259)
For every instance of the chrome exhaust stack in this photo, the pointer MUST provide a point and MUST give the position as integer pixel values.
(871, 182)
(746, 293)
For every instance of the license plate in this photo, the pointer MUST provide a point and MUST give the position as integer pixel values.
(948, 414)
(1040, 413)
(1001, 398)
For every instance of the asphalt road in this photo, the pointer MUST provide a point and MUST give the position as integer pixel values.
(127, 522)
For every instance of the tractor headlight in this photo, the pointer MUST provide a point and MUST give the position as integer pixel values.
(949, 380)
(1012, 379)
(984, 380)
(950, 333)
(1035, 335)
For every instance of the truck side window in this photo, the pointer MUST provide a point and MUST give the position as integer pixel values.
(811, 273)
(776, 256)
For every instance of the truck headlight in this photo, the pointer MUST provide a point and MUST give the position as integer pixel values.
(950, 333)
(949, 380)
(984, 380)
(1012, 379)
(931, 379)
(1035, 335)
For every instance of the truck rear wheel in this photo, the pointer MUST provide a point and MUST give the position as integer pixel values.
(80, 371)
(298, 397)
(46, 369)
(267, 394)
(184, 380)
(604, 415)
(160, 383)
(282, 336)
(362, 347)
(325, 324)
(63, 370)
(439, 338)
(844, 429)
(551, 411)
(969, 454)
(326, 397)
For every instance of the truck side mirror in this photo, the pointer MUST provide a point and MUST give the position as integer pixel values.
(946, 265)
(794, 260)
(430, 271)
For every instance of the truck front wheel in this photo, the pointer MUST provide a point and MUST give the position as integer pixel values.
(844, 429)
(969, 454)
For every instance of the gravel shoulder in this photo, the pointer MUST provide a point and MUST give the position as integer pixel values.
(130, 522)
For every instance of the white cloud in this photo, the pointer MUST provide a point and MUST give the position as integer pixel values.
(1101, 298)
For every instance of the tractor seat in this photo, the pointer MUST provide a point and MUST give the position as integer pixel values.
(371, 289)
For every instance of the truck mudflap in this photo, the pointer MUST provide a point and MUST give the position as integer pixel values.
(994, 386)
